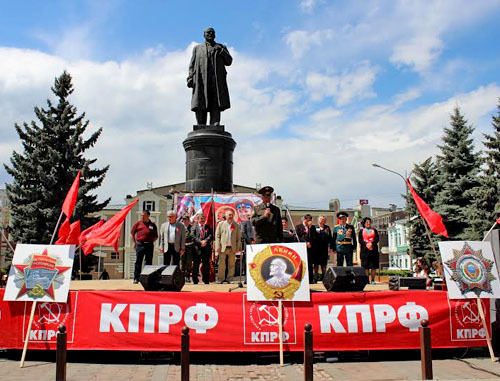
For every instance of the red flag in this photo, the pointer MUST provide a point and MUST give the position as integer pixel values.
(70, 200)
(434, 220)
(109, 233)
(87, 232)
(498, 221)
(73, 236)
(64, 229)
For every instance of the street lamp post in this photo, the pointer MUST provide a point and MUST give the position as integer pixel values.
(407, 195)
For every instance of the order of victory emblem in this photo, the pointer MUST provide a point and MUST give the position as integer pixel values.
(277, 271)
(471, 270)
(39, 275)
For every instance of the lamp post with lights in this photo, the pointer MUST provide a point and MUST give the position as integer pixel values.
(407, 195)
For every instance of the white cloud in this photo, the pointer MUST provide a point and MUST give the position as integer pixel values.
(308, 5)
(409, 34)
(301, 41)
(354, 84)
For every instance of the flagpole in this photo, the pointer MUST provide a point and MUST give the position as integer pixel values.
(80, 258)
(55, 229)
(489, 231)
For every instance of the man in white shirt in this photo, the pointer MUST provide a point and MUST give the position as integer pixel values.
(172, 239)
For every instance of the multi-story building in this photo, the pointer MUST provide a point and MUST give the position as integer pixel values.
(399, 254)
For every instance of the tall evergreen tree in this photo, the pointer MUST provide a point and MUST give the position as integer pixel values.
(486, 206)
(458, 169)
(53, 149)
(425, 182)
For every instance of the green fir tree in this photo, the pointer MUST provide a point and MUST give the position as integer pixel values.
(53, 149)
(486, 206)
(425, 182)
(458, 166)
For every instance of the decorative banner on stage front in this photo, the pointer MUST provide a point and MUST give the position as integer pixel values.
(470, 269)
(278, 272)
(213, 206)
(228, 322)
(40, 272)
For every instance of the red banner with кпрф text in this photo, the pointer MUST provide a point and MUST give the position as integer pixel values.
(152, 321)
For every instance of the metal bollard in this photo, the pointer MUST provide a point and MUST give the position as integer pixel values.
(308, 352)
(426, 350)
(61, 354)
(185, 354)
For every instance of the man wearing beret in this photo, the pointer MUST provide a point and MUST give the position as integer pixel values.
(267, 219)
(344, 239)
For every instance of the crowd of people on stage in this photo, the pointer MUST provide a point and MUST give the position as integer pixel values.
(190, 242)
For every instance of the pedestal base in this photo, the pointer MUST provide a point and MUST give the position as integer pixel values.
(209, 159)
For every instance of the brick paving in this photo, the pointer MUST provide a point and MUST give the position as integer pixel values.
(448, 369)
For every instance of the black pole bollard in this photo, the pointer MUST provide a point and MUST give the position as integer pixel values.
(61, 354)
(185, 354)
(308, 353)
(426, 350)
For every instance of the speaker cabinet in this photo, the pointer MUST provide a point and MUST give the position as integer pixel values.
(171, 279)
(413, 283)
(150, 277)
(345, 279)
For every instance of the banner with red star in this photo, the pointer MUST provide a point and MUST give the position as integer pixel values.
(470, 269)
(40, 272)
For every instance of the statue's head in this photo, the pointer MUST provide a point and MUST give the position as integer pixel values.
(209, 34)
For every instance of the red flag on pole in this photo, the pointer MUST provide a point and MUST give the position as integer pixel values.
(87, 232)
(498, 221)
(434, 220)
(73, 236)
(109, 233)
(70, 200)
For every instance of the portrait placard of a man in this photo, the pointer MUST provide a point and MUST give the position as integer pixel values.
(278, 277)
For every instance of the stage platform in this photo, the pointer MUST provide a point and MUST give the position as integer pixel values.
(128, 285)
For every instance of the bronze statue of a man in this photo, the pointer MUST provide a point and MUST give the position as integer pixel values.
(207, 78)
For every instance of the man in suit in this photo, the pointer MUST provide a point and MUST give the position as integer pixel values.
(344, 240)
(227, 243)
(267, 219)
(202, 237)
(172, 239)
(307, 233)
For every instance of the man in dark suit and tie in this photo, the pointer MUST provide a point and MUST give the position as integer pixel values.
(202, 237)
(307, 233)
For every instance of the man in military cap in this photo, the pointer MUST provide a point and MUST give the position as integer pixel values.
(267, 219)
(344, 239)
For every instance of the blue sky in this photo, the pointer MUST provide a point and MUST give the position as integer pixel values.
(319, 89)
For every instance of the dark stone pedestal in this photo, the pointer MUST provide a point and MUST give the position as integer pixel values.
(209, 159)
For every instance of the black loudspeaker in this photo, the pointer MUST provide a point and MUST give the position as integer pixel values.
(171, 279)
(345, 279)
(150, 277)
(413, 283)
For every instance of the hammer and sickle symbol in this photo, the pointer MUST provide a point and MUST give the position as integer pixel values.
(278, 294)
(37, 291)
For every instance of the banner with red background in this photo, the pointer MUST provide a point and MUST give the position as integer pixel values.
(213, 206)
(152, 321)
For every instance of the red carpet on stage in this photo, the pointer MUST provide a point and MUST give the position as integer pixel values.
(221, 321)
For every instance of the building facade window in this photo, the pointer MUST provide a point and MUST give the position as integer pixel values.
(148, 205)
(115, 255)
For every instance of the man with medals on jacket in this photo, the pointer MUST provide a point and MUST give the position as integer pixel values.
(344, 239)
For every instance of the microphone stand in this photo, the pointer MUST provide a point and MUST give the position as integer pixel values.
(291, 221)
